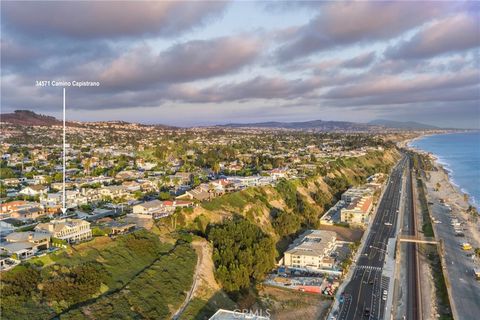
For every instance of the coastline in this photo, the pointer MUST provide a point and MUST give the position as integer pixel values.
(448, 204)
(443, 167)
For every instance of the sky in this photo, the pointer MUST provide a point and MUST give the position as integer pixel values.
(200, 63)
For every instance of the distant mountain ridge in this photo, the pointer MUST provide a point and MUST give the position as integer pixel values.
(402, 124)
(29, 118)
(306, 125)
(336, 125)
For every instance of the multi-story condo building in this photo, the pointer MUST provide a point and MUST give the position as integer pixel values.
(357, 210)
(311, 251)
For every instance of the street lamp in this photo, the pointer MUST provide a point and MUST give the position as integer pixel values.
(380, 249)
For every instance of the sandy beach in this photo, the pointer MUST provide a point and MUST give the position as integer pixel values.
(453, 197)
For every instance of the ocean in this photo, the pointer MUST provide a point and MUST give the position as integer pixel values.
(459, 153)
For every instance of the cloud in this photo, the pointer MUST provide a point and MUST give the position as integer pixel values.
(394, 84)
(107, 19)
(345, 23)
(256, 88)
(339, 62)
(192, 60)
(453, 34)
(360, 61)
(14, 54)
(447, 95)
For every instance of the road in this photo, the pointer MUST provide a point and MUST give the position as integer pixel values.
(363, 296)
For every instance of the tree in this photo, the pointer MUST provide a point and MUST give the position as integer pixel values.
(243, 254)
(216, 167)
(164, 196)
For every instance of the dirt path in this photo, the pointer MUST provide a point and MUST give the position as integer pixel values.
(200, 248)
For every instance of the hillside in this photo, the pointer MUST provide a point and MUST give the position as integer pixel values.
(283, 210)
(91, 280)
(280, 213)
(28, 118)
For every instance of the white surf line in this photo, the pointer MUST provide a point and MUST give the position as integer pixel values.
(64, 208)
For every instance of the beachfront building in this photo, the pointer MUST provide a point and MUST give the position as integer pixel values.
(311, 251)
(355, 193)
(70, 230)
(357, 210)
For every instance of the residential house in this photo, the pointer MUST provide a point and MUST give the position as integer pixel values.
(73, 199)
(40, 179)
(59, 185)
(128, 175)
(29, 213)
(278, 173)
(70, 230)
(22, 210)
(152, 209)
(200, 193)
(25, 244)
(221, 186)
(34, 190)
(141, 164)
(113, 192)
(181, 178)
(170, 206)
(131, 186)
(8, 207)
(11, 182)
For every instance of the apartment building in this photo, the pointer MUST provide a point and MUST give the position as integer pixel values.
(354, 193)
(357, 210)
(311, 251)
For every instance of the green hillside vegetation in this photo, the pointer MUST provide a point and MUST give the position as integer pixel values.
(155, 293)
(292, 205)
(242, 254)
(273, 217)
(91, 270)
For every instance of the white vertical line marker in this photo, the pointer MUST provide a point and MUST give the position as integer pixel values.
(64, 208)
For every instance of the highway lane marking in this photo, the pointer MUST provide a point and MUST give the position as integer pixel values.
(369, 268)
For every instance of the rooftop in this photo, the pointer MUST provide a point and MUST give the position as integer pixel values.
(312, 243)
(222, 314)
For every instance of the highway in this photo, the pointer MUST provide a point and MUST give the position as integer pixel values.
(363, 295)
